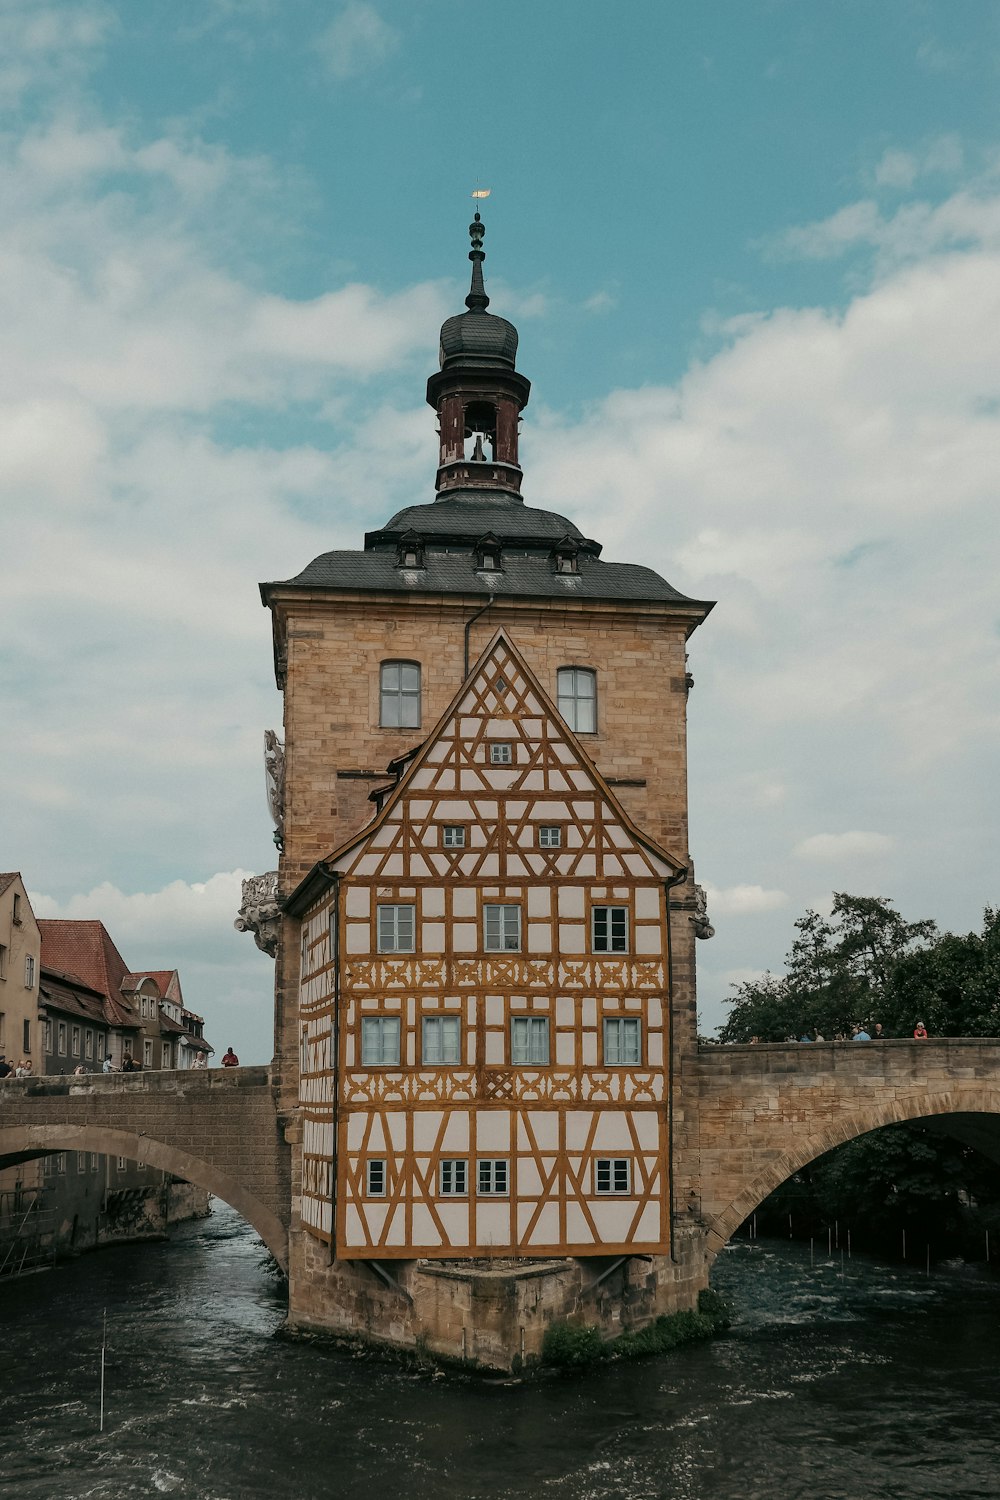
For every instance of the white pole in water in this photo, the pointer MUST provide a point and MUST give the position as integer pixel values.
(987, 1247)
(812, 1251)
(904, 1244)
(104, 1344)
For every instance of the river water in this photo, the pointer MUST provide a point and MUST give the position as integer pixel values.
(879, 1382)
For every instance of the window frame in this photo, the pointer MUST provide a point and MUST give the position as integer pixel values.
(29, 971)
(454, 843)
(533, 1026)
(74, 1041)
(147, 1053)
(610, 934)
(378, 1022)
(453, 1177)
(569, 698)
(389, 694)
(557, 829)
(61, 1036)
(613, 1164)
(442, 1023)
(504, 946)
(491, 1165)
(376, 1168)
(501, 752)
(395, 907)
(624, 1026)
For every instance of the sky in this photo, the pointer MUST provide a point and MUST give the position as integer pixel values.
(753, 251)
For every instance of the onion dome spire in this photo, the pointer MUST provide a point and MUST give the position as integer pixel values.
(477, 300)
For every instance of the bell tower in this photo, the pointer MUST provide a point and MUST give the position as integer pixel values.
(477, 393)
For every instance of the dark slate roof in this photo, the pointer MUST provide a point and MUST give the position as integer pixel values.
(524, 574)
(478, 334)
(469, 514)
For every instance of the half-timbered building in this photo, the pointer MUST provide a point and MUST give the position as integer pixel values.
(485, 973)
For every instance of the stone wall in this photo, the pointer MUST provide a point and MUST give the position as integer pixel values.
(763, 1112)
(217, 1129)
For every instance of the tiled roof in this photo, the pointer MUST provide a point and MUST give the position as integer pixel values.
(5, 880)
(61, 992)
(167, 980)
(468, 514)
(134, 981)
(85, 948)
(523, 575)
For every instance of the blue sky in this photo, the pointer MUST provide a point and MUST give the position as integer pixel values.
(753, 250)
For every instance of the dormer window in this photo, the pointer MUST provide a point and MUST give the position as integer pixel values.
(489, 555)
(410, 553)
(565, 556)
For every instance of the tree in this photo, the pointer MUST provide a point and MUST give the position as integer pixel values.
(837, 972)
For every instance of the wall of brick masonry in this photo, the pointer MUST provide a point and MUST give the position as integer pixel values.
(755, 1115)
(491, 1314)
(331, 727)
(219, 1129)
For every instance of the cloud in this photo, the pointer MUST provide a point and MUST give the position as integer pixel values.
(742, 900)
(149, 919)
(835, 848)
(357, 40)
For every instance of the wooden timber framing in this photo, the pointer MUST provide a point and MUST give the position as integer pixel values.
(400, 1124)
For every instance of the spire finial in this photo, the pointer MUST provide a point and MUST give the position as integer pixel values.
(477, 300)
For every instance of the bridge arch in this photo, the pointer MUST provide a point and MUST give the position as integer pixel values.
(967, 1099)
(26, 1141)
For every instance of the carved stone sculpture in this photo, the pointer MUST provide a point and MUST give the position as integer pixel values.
(702, 926)
(274, 773)
(259, 911)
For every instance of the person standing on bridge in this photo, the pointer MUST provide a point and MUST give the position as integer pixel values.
(920, 1032)
(230, 1060)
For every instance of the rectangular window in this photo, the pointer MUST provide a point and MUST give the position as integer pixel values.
(612, 1174)
(577, 688)
(29, 971)
(442, 1040)
(502, 929)
(492, 1177)
(3, 960)
(100, 1046)
(121, 1163)
(81, 1161)
(550, 836)
(47, 1036)
(17, 908)
(529, 1040)
(165, 1055)
(61, 1035)
(453, 1177)
(396, 928)
(454, 836)
(622, 1040)
(375, 1177)
(93, 1161)
(380, 1041)
(75, 1041)
(61, 1162)
(147, 1054)
(26, 1039)
(610, 929)
(400, 695)
(501, 753)
(88, 1043)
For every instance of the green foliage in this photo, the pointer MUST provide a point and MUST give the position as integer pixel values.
(572, 1346)
(868, 964)
(903, 1177)
(575, 1346)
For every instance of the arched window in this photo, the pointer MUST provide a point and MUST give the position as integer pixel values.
(399, 695)
(577, 687)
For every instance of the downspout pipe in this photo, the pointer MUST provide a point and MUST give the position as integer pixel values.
(468, 627)
(668, 886)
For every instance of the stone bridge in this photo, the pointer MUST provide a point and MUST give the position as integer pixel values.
(218, 1129)
(747, 1118)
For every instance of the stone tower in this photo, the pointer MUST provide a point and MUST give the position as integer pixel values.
(469, 628)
